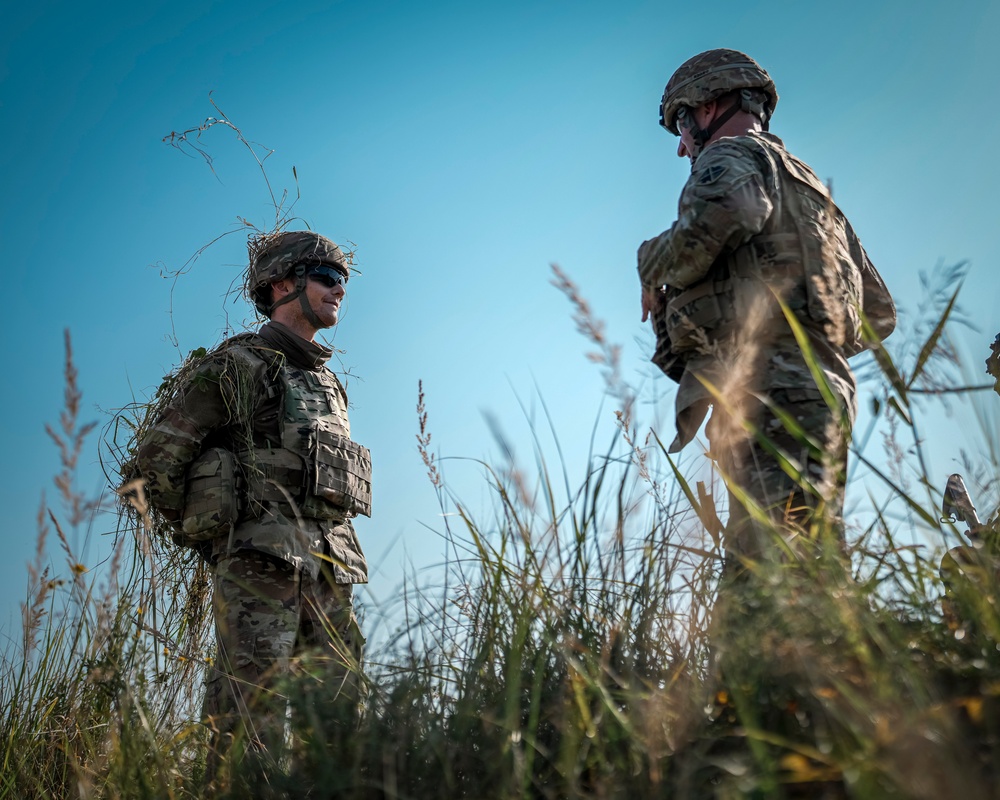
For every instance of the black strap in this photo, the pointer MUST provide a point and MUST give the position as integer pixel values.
(702, 135)
(300, 292)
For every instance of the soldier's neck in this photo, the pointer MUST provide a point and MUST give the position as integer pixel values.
(297, 324)
(740, 124)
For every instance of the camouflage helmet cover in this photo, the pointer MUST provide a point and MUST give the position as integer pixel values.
(712, 74)
(274, 256)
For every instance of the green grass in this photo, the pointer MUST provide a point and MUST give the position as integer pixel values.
(575, 645)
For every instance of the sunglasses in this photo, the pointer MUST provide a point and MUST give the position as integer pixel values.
(328, 276)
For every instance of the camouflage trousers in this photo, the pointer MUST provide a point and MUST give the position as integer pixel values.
(277, 630)
(810, 502)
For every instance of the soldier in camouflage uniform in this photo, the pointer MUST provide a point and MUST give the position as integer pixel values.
(252, 462)
(755, 226)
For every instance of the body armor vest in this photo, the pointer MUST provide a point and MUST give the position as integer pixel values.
(313, 470)
(804, 255)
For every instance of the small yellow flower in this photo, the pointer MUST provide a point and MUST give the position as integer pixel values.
(79, 569)
(973, 707)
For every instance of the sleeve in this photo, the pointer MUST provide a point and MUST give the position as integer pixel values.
(723, 204)
(877, 304)
(203, 403)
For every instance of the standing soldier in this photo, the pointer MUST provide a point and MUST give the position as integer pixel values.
(252, 462)
(755, 226)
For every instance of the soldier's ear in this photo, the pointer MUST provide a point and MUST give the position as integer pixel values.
(708, 112)
(281, 288)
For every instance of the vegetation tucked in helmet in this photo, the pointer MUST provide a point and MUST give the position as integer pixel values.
(713, 75)
(274, 256)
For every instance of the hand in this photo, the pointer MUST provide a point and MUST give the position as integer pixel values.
(652, 301)
(652, 298)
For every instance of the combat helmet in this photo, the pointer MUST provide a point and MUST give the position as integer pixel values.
(710, 75)
(274, 256)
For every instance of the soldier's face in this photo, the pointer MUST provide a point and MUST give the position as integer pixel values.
(686, 145)
(700, 117)
(325, 300)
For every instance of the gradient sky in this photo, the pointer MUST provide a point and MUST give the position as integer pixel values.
(463, 147)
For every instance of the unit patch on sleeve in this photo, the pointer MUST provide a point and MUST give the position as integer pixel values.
(711, 174)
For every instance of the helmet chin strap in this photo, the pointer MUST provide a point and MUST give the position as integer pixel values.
(307, 310)
(299, 292)
(702, 136)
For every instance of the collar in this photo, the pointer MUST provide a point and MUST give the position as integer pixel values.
(297, 351)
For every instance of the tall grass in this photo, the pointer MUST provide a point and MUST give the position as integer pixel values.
(576, 643)
(97, 697)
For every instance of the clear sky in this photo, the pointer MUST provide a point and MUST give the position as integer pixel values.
(463, 147)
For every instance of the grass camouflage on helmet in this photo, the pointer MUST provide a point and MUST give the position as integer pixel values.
(274, 256)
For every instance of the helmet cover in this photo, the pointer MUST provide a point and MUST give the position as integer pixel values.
(274, 256)
(712, 74)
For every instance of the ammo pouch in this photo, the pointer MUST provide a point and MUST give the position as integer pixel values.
(693, 318)
(212, 496)
(342, 472)
(664, 357)
(332, 480)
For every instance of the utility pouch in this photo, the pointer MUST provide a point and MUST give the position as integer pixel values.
(694, 317)
(664, 356)
(212, 497)
(342, 472)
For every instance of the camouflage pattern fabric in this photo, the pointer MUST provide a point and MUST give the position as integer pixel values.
(212, 496)
(735, 245)
(712, 74)
(727, 199)
(233, 399)
(267, 613)
(790, 501)
(754, 225)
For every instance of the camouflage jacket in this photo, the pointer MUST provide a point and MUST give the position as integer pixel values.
(755, 223)
(264, 402)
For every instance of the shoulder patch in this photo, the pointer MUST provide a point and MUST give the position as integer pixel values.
(711, 174)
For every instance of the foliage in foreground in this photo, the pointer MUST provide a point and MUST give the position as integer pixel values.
(577, 645)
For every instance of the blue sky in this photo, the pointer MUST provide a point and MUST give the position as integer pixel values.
(464, 147)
